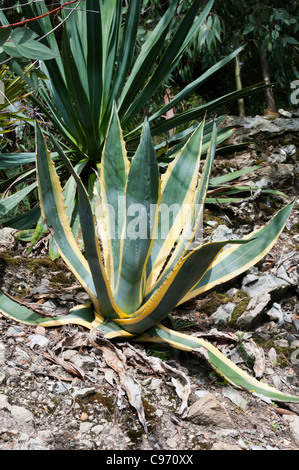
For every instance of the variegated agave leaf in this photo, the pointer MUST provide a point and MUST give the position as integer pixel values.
(135, 276)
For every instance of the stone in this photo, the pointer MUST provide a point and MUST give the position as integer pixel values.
(259, 128)
(224, 446)
(276, 314)
(235, 397)
(254, 310)
(256, 283)
(207, 411)
(6, 237)
(37, 340)
(294, 427)
(2, 354)
(222, 232)
(83, 392)
(278, 174)
(223, 314)
(19, 414)
(285, 113)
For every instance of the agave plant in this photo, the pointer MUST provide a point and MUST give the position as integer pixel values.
(97, 60)
(134, 269)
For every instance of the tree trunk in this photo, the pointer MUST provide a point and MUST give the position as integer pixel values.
(241, 105)
(168, 96)
(267, 79)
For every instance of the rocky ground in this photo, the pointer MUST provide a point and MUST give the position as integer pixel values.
(61, 390)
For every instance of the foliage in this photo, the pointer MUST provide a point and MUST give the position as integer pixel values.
(137, 269)
(98, 60)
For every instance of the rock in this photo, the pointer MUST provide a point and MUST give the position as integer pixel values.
(224, 446)
(272, 356)
(207, 411)
(280, 154)
(294, 427)
(222, 232)
(19, 414)
(260, 128)
(285, 113)
(2, 354)
(281, 343)
(223, 314)
(38, 340)
(254, 311)
(83, 392)
(235, 397)
(256, 283)
(278, 175)
(6, 237)
(276, 314)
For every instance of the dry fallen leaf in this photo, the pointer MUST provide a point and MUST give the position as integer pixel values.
(117, 361)
(67, 365)
(83, 417)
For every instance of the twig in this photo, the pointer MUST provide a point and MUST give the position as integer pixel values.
(41, 16)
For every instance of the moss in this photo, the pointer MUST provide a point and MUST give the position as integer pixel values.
(212, 301)
(37, 265)
(294, 229)
(283, 355)
(209, 216)
(239, 309)
(248, 359)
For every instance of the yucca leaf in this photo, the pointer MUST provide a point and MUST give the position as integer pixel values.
(10, 160)
(127, 45)
(142, 197)
(111, 200)
(179, 282)
(93, 35)
(53, 211)
(223, 179)
(76, 27)
(192, 231)
(111, 24)
(145, 60)
(220, 363)
(182, 172)
(12, 308)
(8, 203)
(81, 107)
(101, 293)
(237, 259)
(183, 94)
(200, 111)
(23, 221)
(171, 55)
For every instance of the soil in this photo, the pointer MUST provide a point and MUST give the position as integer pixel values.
(59, 392)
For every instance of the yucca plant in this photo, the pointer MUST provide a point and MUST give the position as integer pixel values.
(137, 269)
(98, 60)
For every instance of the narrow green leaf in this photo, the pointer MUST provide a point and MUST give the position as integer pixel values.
(172, 53)
(200, 111)
(10, 160)
(237, 259)
(97, 283)
(12, 308)
(53, 211)
(175, 205)
(232, 176)
(12, 201)
(142, 197)
(220, 363)
(145, 60)
(113, 179)
(179, 282)
(127, 46)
